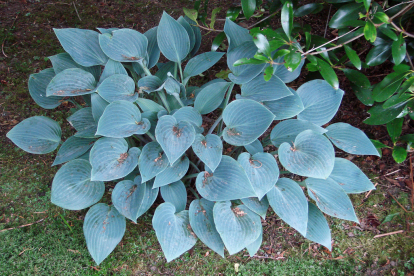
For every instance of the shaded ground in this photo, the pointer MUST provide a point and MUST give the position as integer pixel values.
(56, 244)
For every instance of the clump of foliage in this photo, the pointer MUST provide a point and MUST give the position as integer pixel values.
(142, 128)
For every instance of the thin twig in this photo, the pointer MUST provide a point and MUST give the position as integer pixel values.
(21, 226)
(388, 234)
(398, 203)
(412, 182)
(215, 124)
(401, 30)
(409, 60)
(76, 11)
(327, 20)
(267, 17)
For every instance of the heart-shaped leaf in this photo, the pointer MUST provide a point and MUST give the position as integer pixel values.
(311, 155)
(71, 82)
(174, 137)
(228, 182)
(111, 159)
(72, 148)
(189, 31)
(350, 139)
(37, 88)
(286, 107)
(124, 45)
(112, 67)
(98, 106)
(236, 35)
(255, 246)
(351, 179)
(242, 128)
(118, 87)
(82, 46)
(152, 161)
(188, 114)
(209, 149)
(103, 228)
(201, 63)
(64, 61)
(290, 204)
(318, 228)
(133, 198)
(238, 226)
(331, 198)
(38, 135)
(72, 187)
(122, 119)
(149, 105)
(286, 131)
(210, 97)
(321, 101)
(150, 84)
(260, 90)
(254, 147)
(173, 172)
(172, 231)
(197, 36)
(258, 206)
(173, 39)
(202, 223)
(83, 121)
(176, 194)
(262, 171)
(153, 50)
(283, 73)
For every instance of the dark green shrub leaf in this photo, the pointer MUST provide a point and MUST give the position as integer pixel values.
(310, 155)
(350, 139)
(118, 87)
(172, 231)
(388, 86)
(399, 49)
(72, 187)
(71, 82)
(248, 7)
(72, 148)
(103, 228)
(268, 73)
(38, 135)
(202, 223)
(238, 226)
(258, 206)
(209, 149)
(318, 228)
(380, 116)
(378, 55)
(246, 61)
(262, 44)
(217, 41)
(176, 194)
(228, 182)
(262, 171)
(328, 73)
(289, 203)
(152, 161)
(190, 13)
(308, 9)
(399, 154)
(370, 32)
(242, 128)
(292, 61)
(353, 57)
(357, 78)
(394, 128)
(260, 90)
(111, 159)
(82, 46)
(286, 131)
(287, 18)
(345, 14)
(173, 172)
(37, 88)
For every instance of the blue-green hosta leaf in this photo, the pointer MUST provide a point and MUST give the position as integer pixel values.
(310, 155)
(111, 159)
(148, 105)
(201, 63)
(72, 187)
(124, 45)
(172, 86)
(112, 67)
(173, 172)
(283, 73)
(107, 31)
(350, 139)
(188, 114)
(290, 204)
(118, 87)
(64, 61)
(243, 73)
(37, 88)
(255, 246)
(122, 119)
(209, 149)
(254, 147)
(228, 182)
(174, 137)
(351, 179)
(84, 123)
(238, 226)
(211, 97)
(103, 228)
(166, 68)
(172, 231)
(258, 206)
(189, 31)
(38, 135)
(133, 198)
(98, 106)
(286, 107)
(262, 171)
(72, 148)
(331, 198)
(173, 39)
(71, 82)
(321, 101)
(197, 36)
(176, 194)
(236, 35)
(242, 128)
(152, 118)
(150, 84)
(260, 90)
(318, 228)
(153, 49)
(202, 223)
(286, 131)
(82, 46)
(152, 161)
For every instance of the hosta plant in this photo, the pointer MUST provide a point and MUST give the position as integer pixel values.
(142, 128)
